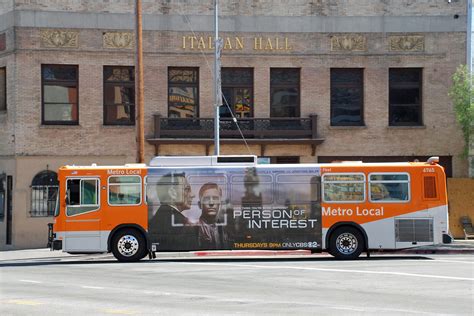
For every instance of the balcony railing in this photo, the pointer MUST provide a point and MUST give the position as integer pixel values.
(263, 131)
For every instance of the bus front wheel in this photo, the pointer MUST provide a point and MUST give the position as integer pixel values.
(128, 245)
(346, 243)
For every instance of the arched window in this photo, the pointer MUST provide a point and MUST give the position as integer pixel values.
(44, 191)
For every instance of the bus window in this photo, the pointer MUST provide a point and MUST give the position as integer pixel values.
(389, 187)
(125, 190)
(252, 189)
(82, 196)
(343, 187)
(297, 188)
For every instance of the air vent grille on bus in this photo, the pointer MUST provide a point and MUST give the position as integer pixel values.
(410, 230)
(430, 187)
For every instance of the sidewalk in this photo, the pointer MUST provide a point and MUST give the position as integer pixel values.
(457, 247)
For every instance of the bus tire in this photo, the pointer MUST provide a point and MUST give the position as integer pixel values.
(346, 243)
(128, 245)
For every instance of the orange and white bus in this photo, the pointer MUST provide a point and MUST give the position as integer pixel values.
(232, 202)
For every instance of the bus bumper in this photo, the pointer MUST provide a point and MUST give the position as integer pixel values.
(447, 239)
(53, 243)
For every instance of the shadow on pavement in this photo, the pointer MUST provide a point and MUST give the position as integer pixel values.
(98, 261)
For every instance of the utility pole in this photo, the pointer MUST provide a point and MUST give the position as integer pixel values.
(140, 120)
(217, 77)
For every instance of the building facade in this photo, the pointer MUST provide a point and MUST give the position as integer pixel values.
(314, 81)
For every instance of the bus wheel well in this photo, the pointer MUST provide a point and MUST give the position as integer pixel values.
(347, 224)
(124, 227)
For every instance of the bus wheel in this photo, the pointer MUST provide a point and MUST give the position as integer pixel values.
(346, 243)
(128, 245)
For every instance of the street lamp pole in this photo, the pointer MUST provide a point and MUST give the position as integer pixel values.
(140, 121)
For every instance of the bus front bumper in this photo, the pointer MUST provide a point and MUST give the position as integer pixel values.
(53, 243)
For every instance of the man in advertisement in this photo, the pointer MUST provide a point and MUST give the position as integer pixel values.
(169, 228)
(211, 231)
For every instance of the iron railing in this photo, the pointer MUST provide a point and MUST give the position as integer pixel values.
(252, 128)
(43, 200)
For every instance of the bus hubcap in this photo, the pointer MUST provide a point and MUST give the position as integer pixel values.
(128, 245)
(346, 243)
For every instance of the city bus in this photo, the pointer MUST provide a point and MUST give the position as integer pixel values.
(235, 203)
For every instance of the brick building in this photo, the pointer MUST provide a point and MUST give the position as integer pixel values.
(311, 81)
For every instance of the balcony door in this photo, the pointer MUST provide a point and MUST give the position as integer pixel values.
(237, 92)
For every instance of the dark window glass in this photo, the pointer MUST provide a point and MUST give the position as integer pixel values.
(284, 92)
(60, 98)
(237, 92)
(183, 92)
(119, 95)
(3, 89)
(405, 96)
(347, 97)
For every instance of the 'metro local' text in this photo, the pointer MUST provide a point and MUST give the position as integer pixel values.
(328, 211)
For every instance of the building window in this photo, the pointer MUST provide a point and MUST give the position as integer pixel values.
(405, 96)
(183, 92)
(284, 92)
(3, 89)
(60, 98)
(119, 95)
(237, 92)
(347, 97)
(44, 192)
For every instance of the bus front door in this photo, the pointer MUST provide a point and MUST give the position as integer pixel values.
(82, 233)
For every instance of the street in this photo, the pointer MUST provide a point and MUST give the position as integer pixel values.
(99, 285)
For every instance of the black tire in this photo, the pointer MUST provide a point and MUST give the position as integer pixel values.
(346, 243)
(128, 245)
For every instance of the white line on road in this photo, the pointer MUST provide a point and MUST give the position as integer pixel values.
(92, 287)
(30, 281)
(451, 261)
(337, 270)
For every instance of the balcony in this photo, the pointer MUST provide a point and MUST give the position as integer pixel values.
(260, 131)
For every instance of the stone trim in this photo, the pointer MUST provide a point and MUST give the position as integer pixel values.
(52, 38)
(118, 40)
(354, 43)
(411, 43)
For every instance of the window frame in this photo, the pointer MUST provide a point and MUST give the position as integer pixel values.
(288, 86)
(170, 84)
(115, 83)
(82, 205)
(406, 85)
(347, 85)
(4, 89)
(64, 83)
(369, 182)
(140, 184)
(364, 181)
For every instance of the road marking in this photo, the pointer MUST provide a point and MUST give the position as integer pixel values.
(25, 302)
(30, 281)
(337, 270)
(452, 261)
(92, 287)
(119, 311)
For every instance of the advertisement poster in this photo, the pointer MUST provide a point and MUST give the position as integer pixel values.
(234, 208)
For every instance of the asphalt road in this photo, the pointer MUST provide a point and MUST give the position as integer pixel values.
(380, 285)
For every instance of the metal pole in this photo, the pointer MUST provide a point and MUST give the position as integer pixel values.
(217, 78)
(140, 121)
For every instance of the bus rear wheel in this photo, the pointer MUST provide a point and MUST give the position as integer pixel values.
(128, 245)
(346, 243)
